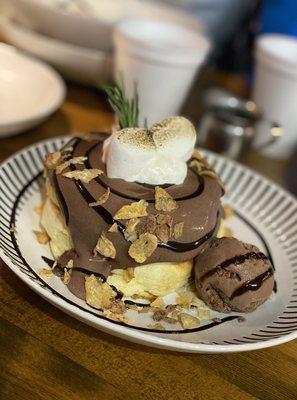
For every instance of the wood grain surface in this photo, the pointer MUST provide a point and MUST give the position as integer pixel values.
(46, 354)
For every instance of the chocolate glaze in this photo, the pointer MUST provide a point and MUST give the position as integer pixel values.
(199, 209)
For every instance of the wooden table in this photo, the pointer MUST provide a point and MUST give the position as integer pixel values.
(45, 354)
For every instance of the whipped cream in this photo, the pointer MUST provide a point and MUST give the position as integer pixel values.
(155, 156)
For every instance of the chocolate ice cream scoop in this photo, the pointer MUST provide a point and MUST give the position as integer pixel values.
(233, 276)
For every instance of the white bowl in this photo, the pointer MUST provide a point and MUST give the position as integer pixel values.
(91, 28)
(29, 90)
(78, 64)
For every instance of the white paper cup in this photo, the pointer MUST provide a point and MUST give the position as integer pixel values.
(275, 89)
(162, 59)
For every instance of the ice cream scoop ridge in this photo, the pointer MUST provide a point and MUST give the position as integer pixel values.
(154, 156)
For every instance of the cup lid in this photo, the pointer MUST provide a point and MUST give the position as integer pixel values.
(161, 40)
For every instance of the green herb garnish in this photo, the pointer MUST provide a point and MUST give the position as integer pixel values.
(126, 110)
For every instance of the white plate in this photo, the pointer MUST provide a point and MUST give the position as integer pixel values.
(78, 64)
(264, 215)
(92, 28)
(29, 90)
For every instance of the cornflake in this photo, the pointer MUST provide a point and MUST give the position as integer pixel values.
(143, 247)
(203, 313)
(42, 237)
(115, 316)
(75, 160)
(187, 321)
(67, 276)
(163, 200)
(47, 273)
(178, 230)
(133, 210)
(130, 231)
(158, 303)
(162, 232)
(185, 299)
(105, 247)
(128, 274)
(85, 175)
(114, 228)
(158, 327)
(52, 160)
(98, 295)
(102, 199)
(196, 166)
(38, 209)
(164, 219)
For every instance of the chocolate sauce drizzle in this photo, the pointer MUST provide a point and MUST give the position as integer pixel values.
(180, 247)
(253, 284)
(234, 260)
(60, 197)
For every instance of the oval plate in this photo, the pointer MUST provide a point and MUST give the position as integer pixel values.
(264, 214)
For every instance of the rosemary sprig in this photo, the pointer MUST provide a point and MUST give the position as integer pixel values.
(126, 110)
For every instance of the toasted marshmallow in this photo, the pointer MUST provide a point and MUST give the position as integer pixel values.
(154, 156)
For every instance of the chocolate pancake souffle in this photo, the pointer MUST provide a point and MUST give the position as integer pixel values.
(140, 202)
(136, 213)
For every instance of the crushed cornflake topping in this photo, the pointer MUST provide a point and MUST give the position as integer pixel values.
(146, 309)
(163, 200)
(67, 276)
(52, 160)
(187, 321)
(130, 231)
(163, 233)
(170, 320)
(159, 225)
(158, 303)
(178, 230)
(157, 326)
(128, 274)
(203, 313)
(105, 247)
(217, 320)
(98, 295)
(85, 175)
(164, 219)
(69, 265)
(38, 209)
(159, 315)
(115, 316)
(196, 166)
(229, 213)
(75, 160)
(143, 247)
(117, 307)
(46, 273)
(12, 229)
(102, 199)
(42, 237)
(114, 228)
(185, 299)
(133, 210)
(132, 306)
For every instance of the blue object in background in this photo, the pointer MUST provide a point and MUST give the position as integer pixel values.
(279, 16)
